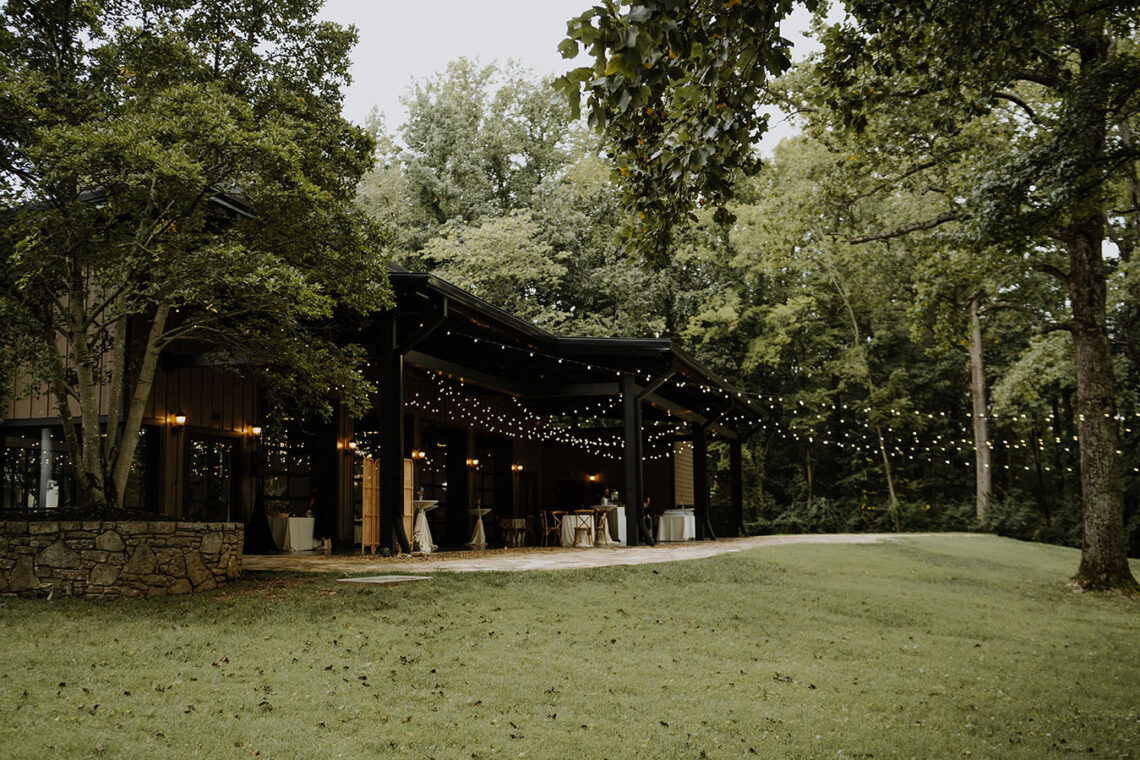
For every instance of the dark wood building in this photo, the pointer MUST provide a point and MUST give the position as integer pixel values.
(486, 407)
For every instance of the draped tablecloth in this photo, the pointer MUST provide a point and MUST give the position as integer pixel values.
(570, 524)
(479, 537)
(293, 534)
(616, 519)
(677, 525)
(422, 531)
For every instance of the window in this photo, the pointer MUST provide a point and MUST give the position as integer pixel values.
(288, 464)
(22, 467)
(210, 479)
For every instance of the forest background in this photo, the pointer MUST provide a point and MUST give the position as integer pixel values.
(857, 345)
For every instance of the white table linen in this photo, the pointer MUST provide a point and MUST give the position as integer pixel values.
(677, 525)
(293, 534)
(616, 520)
(479, 537)
(603, 536)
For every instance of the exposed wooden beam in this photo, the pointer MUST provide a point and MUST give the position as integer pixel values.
(468, 374)
(577, 390)
(656, 383)
(391, 436)
(441, 311)
(688, 415)
(701, 482)
(633, 480)
(736, 485)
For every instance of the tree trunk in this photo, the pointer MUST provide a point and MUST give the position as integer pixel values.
(117, 387)
(121, 465)
(982, 456)
(92, 484)
(1104, 559)
(857, 340)
(893, 506)
(808, 475)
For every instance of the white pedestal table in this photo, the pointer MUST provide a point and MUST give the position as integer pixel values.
(514, 531)
(479, 537)
(421, 531)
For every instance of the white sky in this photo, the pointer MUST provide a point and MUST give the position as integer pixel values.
(402, 42)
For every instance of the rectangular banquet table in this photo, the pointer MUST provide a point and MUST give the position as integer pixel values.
(293, 534)
(677, 525)
(570, 525)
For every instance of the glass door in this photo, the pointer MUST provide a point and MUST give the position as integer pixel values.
(210, 479)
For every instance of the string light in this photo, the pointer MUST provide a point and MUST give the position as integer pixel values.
(789, 416)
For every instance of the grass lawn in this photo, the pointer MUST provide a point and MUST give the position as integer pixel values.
(931, 647)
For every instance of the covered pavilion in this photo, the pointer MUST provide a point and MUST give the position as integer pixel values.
(442, 354)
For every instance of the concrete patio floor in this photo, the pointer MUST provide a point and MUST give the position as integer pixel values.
(537, 558)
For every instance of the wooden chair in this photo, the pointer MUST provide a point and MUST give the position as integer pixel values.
(583, 528)
(600, 524)
(551, 524)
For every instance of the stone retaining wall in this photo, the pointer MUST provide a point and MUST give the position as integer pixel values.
(108, 560)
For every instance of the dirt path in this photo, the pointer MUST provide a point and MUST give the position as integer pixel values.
(533, 558)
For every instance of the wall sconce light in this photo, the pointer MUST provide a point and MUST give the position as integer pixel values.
(178, 423)
(472, 464)
(592, 478)
(255, 431)
(516, 468)
(352, 445)
(417, 454)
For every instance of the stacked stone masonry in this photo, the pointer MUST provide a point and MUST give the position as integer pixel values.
(114, 560)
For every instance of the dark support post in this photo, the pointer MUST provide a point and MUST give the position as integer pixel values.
(736, 485)
(634, 484)
(391, 436)
(701, 481)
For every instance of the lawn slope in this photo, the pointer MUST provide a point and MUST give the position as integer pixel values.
(926, 647)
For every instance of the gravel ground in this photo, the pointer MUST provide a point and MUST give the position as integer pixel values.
(539, 558)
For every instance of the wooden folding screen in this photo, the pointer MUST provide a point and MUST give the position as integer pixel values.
(683, 493)
(409, 494)
(370, 512)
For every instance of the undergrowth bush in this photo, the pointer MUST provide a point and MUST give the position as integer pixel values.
(1015, 516)
(838, 516)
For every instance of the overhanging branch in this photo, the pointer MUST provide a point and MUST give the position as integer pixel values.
(1043, 326)
(906, 229)
(1018, 102)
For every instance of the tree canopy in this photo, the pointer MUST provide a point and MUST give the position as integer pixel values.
(913, 94)
(176, 171)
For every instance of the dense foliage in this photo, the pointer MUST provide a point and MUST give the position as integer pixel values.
(1008, 130)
